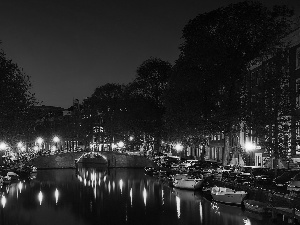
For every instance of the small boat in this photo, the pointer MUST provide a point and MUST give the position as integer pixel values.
(14, 176)
(188, 183)
(256, 206)
(6, 180)
(33, 169)
(179, 176)
(227, 195)
(151, 171)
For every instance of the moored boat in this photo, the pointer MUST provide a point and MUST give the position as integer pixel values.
(228, 195)
(256, 206)
(188, 183)
(150, 171)
(6, 180)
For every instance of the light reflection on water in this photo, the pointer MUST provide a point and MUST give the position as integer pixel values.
(118, 196)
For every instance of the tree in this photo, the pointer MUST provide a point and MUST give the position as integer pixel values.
(105, 110)
(16, 102)
(146, 97)
(214, 58)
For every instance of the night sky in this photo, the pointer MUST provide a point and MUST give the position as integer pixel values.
(70, 47)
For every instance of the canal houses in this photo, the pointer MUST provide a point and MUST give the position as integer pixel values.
(245, 145)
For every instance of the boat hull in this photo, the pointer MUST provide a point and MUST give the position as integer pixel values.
(256, 207)
(191, 184)
(228, 196)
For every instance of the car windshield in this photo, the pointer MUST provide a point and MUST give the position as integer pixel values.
(261, 171)
(297, 177)
(289, 174)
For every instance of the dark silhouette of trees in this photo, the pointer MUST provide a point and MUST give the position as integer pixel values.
(16, 102)
(105, 110)
(207, 83)
(145, 99)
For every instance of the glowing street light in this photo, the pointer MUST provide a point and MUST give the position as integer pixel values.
(20, 144)
(56, 139)
(3, 146)
(40, 140)
(178, 147)
(249, 146)
(121, 144)
(35, 148)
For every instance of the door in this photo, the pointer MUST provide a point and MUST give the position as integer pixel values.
(258, 159)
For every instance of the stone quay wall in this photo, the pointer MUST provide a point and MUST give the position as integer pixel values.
(114, 160)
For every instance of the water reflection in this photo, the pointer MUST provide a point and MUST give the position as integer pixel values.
(56, 194)
(40, 197)
(119, 196)
(3, 200)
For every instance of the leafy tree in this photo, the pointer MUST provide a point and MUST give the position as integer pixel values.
(16, 102)
(105, 109)
(146, 94)
(214, 58)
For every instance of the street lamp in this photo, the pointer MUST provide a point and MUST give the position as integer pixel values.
(20, 145)
(178, 147)
(120, 144)
(40, 141)
(56, 140)
(3, 146)
(249, 146)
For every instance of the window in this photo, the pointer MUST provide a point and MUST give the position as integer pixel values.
(298, 130)
(297, 58)
(298, 93)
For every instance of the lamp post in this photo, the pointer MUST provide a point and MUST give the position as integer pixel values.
(40, 141)
(178, 147)
(3, 146)
(56, 140)
(249, 146)
(121, 145)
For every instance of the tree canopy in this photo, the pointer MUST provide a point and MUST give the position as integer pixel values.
(16, 101)
(208, 79)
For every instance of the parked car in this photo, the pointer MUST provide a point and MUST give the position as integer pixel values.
(263, 176)
(200, 165)
(284, 179)
(244, 178)
(294, 184)
(231, 176)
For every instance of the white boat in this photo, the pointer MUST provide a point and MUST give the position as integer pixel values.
(188, 183)
(6, 179)
(179, 176)
(257, 207)
(227, 195)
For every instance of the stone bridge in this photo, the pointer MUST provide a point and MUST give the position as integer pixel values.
(115, 160)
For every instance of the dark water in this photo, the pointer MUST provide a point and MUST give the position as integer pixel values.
(118, 196)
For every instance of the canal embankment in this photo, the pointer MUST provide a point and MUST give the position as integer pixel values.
(114, 160)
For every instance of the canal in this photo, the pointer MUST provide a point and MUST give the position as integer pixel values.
(117, 196)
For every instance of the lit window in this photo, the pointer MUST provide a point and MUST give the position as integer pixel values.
(298, 58)
(298, 93)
